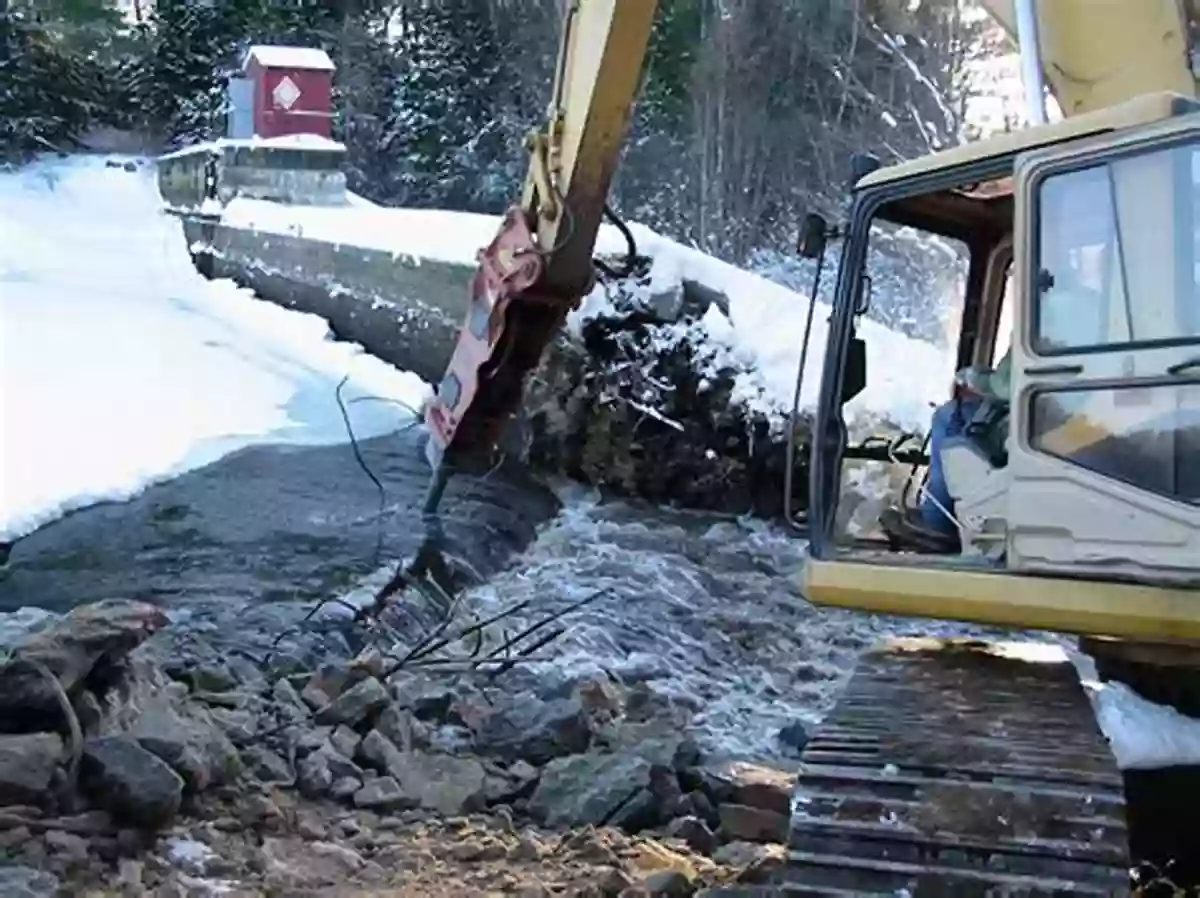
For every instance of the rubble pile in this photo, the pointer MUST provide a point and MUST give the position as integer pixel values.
(644, 402)
(130, 755)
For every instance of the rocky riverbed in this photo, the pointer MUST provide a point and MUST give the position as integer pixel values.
(139, 757)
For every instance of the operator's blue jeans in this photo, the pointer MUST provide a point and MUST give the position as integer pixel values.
(950, 420)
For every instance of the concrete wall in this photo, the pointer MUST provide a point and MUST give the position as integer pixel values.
(192, 179)
(404, 313)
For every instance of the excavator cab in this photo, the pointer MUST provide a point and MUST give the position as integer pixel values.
(1079, 471)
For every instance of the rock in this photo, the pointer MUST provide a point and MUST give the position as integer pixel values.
(642, 811)
(89, 712)
(399, 726)
(750, 824)
(221, 700)
(286, 696)
(667, 884)
(613, 882)
(383, 794)
(130, 782)
(190, 741)
(345, 788)
(213, 678)
(355, 704)
(369, 661)
(27, 765)
(308, 741)
(666, 303)
(794, 736)
(240, 726)
(740, 782)
(14, 837)
(129, 877)
(313, 776)
(318, 771)
(311, 829)
(67, 845)
(72, 648)
(440, 783)
(694, 832)
(267, 766)
(588, 788)
(259, 808)
(25, 882)
(757, 862)
(189, 855)
(345, 740)
(377, 750)
(535, 731)
(479, 850)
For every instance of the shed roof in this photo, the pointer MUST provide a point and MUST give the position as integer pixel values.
(274, 57)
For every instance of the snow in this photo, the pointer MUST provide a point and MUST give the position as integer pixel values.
(1142, 735)
(121, 366)
(764, 329)
(276, 57)
(284, 142)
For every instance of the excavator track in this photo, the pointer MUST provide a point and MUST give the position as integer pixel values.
(956, 768)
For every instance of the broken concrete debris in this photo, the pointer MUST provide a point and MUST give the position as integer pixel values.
(160, 768)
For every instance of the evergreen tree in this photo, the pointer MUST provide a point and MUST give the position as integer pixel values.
(48, 96)
(444, 122)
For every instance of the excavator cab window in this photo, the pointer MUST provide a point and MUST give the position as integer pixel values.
(923, 264)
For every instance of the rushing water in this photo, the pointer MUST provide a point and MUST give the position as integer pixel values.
(705, 610)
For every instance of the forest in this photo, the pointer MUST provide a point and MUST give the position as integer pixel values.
(747, 118)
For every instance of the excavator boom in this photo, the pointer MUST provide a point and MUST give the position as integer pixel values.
(1093, 54)
(540, 264)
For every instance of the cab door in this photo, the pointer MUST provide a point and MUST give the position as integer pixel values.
(1105, 452)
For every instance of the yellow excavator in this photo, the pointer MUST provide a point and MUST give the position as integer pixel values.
(952, 767)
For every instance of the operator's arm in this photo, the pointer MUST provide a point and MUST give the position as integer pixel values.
(999, 383)
(993, 384)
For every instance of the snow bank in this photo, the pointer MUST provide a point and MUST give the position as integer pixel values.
(764, 329)
(284, 142)
(120, 365)
(1143, 735)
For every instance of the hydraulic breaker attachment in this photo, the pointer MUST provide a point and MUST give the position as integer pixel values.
(539, 265)
(509, 322)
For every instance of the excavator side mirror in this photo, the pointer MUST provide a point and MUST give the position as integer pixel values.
(813, 235)
(854, 381)
(861, 165)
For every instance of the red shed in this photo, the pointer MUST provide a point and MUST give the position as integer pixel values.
(293, 90)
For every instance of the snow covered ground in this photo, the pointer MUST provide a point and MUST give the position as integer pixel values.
(764, 329)
(120, 365)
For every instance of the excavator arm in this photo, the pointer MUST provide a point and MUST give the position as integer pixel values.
(1098, 53)
(539, 265)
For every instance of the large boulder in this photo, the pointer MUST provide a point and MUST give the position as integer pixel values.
(85, 649)
(130, 782)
